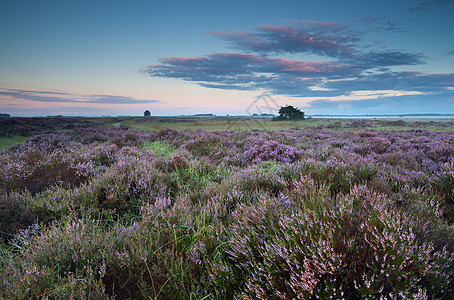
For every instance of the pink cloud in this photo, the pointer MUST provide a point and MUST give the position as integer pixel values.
(253, 68)
(323, 38)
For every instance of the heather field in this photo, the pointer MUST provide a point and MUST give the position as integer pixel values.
(226, 208)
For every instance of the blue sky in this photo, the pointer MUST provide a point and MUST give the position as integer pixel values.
(182, 57)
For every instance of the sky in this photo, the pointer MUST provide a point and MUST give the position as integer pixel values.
(95, 58)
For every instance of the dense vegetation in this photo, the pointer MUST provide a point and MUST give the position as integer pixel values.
(29, 126)
(99, 213)
(289, 112)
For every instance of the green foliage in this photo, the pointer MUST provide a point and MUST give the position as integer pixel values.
(290, 113)
(160, 148)
(6, 142)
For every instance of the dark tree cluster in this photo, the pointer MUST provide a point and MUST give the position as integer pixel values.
(289, 113)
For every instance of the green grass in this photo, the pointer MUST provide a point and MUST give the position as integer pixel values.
(160, 148)
(109, 121)
(263, 123)
(6, 142)
(218, 123)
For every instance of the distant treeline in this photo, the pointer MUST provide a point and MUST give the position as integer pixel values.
(263, 115)
(5, 116)
(203, 115)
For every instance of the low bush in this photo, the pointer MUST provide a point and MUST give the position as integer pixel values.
(15, 214)
(295, 214)
(258, 150)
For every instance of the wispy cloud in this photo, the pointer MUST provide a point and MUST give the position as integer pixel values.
(20, 110)
(322, 38)
(407, 81)
(379, 24)
(108, 99)
(63, 97)
(386, 59)
(333, 40)
(431, 4)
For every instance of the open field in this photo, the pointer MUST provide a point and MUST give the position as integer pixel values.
(347, 209)
(265, 123)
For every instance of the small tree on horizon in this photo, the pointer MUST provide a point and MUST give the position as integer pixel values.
(147, 113)
(289, 112)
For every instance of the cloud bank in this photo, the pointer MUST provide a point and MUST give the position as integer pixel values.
(344, 67)
(322, 38)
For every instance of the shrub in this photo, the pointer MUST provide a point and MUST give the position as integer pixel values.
(34, 170)
(258, 150)
(15, 214)
(130, 182)
(185, 214)
(354, 247)
(62, 261)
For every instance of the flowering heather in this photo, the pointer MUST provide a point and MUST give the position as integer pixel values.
(99, 213)
(258, 150)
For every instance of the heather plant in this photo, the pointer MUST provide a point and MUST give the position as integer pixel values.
(99, 213)
(57, 262)
(178, 161)
(378, 145)
(130, 182)
(58, 202)
(144, 259)
(34, 169)
(128, 139)
(216, 146)
(27, 126)
(166, 134)
(258, 150)
(150, 257)
(354, 248)
(102, 156)
(29, 171)
(444, 183)
(201, 145)
(255, 179)
(15, 214)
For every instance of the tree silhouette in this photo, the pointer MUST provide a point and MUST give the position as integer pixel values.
(147, 113)
(289, 113)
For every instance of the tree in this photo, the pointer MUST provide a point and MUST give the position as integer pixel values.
(147, 113)
(289, 113)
